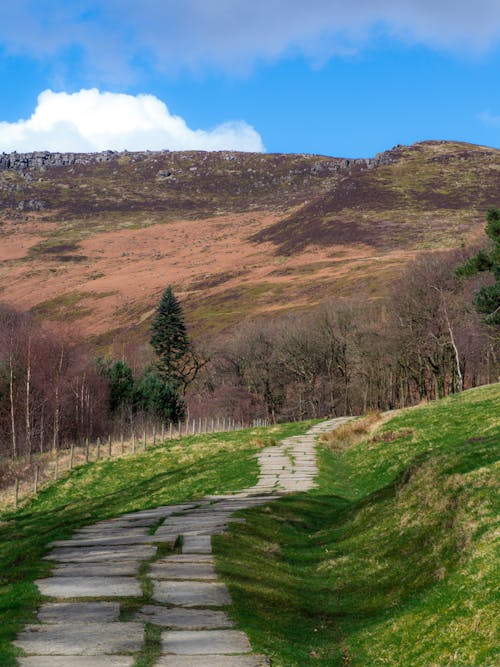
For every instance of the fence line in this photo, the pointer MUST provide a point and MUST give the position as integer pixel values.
(90, 452)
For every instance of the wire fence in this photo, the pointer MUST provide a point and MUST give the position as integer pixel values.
(47, 468)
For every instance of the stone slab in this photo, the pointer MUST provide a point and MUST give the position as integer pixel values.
(190, 558)
(104, 540)
(127, 568)
(167, 570)
(204, 642)
(86, 587)
(79, 612)
(212, 661)
(99, 554)
(191, 593)
(77, 661)
(82, 639)
(179, 618)
(197, 544)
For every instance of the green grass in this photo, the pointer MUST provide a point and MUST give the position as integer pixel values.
(391, 561)
(171, 473)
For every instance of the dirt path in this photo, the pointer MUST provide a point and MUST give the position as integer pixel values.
(110, 566)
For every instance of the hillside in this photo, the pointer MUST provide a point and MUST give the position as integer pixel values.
(94, 239)
(390, 560)
(393, 559)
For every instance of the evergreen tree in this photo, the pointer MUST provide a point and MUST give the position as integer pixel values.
(120, 382)
(170, 341)
(487, 299)
(157, 398)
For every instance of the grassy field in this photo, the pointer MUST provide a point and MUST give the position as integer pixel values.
(177, 471)
(391, 561)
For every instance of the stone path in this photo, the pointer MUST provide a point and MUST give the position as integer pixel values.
(117, 560)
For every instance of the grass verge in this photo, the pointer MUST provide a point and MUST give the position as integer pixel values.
(177, 471)
(391, 560)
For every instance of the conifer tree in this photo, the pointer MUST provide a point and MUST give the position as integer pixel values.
(170, 341)
(487, 299)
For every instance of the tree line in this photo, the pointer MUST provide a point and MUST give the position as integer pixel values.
(435, 333)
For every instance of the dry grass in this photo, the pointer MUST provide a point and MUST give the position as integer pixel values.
(351, 432)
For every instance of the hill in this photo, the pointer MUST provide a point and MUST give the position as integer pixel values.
(391, 560)
(94, 239)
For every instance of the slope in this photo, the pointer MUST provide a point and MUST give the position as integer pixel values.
(94, 239)
(392, 560)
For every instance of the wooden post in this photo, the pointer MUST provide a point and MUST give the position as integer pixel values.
(98, 455)
(171, 430)
(122, 444)
(36, 479)
(86, 450)
(154, 435)
(163, 431)
(71, 455)
(133, 441)
(144, 440)
(179, 428)
(56, 466)
(16, 493)
(110, 446)
(212, 426)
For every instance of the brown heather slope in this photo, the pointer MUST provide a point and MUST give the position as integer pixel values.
(92, 244)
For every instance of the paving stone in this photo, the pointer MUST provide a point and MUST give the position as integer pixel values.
(104, 540)
(126, 568)
(213, 661)
(184, 619)
(168, 570)
(100, 554)
(203, 642)
(77, 661)
(83, 612)
(86, 587)
(82, 639)
(197, 544)
(191, 593)
(190, 558)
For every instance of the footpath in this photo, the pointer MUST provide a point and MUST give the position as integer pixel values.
(86, 624)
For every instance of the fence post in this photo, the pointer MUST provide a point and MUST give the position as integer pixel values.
(71, 454)
(154, 435)
(16, 493)
(86, 450)
(163, 431)
(98, 455)
(110, 446)
(56, 467)
(122, 444)
(171, 430)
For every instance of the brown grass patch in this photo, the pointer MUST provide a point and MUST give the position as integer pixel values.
(348, 434)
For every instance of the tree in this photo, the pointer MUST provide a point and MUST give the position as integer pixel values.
(170, 341)
(487, 299)
(158, 398)
(121, 383)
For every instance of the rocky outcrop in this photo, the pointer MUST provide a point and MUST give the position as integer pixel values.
(43, 159)
(23, 162)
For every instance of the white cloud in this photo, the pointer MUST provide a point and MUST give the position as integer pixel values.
(113, 36)
(91, 120)
(489, 119)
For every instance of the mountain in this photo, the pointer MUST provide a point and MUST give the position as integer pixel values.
(91, 240)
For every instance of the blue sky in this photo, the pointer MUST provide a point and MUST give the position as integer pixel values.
(325, 76)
